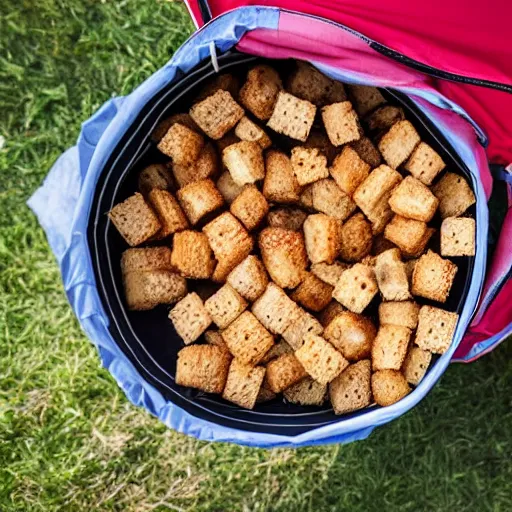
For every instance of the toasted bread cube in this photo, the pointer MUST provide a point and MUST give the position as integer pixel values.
(341, 123)
(349, 170)
(146, 258)
(163, 126)
(304, 324)
(146, 289)
(436, 328)
(384, 118)
(306, 198)
(413, 200)
(398, 143)
(320, 359)
(260, 91)
(292, 116)
(313, 293)
(380, 215)
(322, 236)
(318, 139)
(416, 365)
(327, 315)
(356, 288)
(390, 347)
(356, 238)
(250, 206)
(190, 318)
(215, 338)
(247, 339)
(217, 114)
(433, 277)
(306, 392)
(249, 278)
(199, 199)
(283, 372)
(367, 151)
(228, 188)
(182, 144)
(265, 394)
(284, 254)
(223, 82)
(392, 276)
(407, 234)
(225, 306)
(192, 256)
(351, 390)
(277, 350)
(203, 367)
(425, 164)
(458, 236)
(206, 166)
(243, 384)
(409, 268)
(155, 176)
(404, 313)
(280, 185)
(329, 273)
(307, 83)
(250, 131)
(388, 387)
(275, 310)
(454, 194)
(308, 164)
(366, 98)
(135, 220)
(244, 161)
(351, 334)
(375, 187)
(287, 218)
(169, 213)
(328, 198)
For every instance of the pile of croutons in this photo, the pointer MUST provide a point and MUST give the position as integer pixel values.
(293, 246)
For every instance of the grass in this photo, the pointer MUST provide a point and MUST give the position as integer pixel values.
(69, 439)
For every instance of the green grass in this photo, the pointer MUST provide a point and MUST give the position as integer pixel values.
(69, 439)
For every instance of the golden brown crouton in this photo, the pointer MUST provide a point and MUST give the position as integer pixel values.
(416, 364)
(228, 188)
(329, 273)
(313, 293)
(190, 318)
(287, 218)
(392, 276)
(280, 185)
(244, 161)
(390, 347)
(413, 200)
(249, 278)
(366, 98)
(398, 143)
(356, 288)
(215, 338)
(383, 119)
(250, 131)
(356, 238)
(306, 392)
(458, 236)
(259, 93)
(243, 384)
(425, 164)
(436, 329)
(277, 350)
(403, 313)
(367, 151)
(283, 372)
(349, 170)
(388, 387)
(225, 306)
(322, 236)
(454, 194)
(328, 198)
(199, 199)
(250, 206)
(168, 211)
(407, 234)
(182, 144)
(351, 390)
(319, 139)
(163, 126)
(308, 164)
(327, 315)
(155, 176)
(192, 256)
(304, 324)
(206, 166)
(306, 198)
(146, 258)
(341, 123)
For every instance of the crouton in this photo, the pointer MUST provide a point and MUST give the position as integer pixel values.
(328, 198)
(366, 98)
(458, 236)
(416, 365)
(341, 123)
(320, 359)
(407, 234)
(306, 392)
(404, 313)
(384, 118)
(287, 218)
(192, 256)
(217, 114)
(155, 176)
(356, 238)
(250, 131)
(181, 144)
(398, 143)
(388, 387)
(260, 91)
(135, 220)
(215, 338)
(413, 200)
(280, 185)
(198, 199)
(308, 164)
(206, 166)
(306, 198)
(284, 255)
(349, 170)
(265, 394)
(283, 372)
(275, 310)
(244, 161)
(318, 139)
(292, 116)
(329, 273)
(277, 350)
(454, 194)
(433, 277)
(225, 306)
(351, 390)
(381, 244)
(147, 258)
(249, 278)
(327, 315)
(304, 324)
(322, 236)
(250, 206)
(203, 367)
(247, 339)
(351, 334)
(223, 82)
(313, 293)
(356, 288)
(409, 268)
(228, 188)
(146, 289)
(243, 384)
(170, 215)
(190, 318)
(163, 126)
(424, 163)
(380, 215)
(392, 276)
(367, 151)
(436, 329)
(390, 347)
